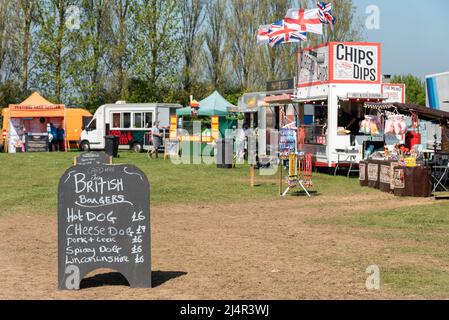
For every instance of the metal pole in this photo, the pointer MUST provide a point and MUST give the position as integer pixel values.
(250, 156)
(280, 160)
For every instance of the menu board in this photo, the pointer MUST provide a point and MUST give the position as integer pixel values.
(104, 222)
(36, 143)
(287, 142)
(171, 148)
(90, 158)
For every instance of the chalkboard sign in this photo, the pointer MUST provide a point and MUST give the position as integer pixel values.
(90, 158)
(36, 143)
(104, 222)
(171, 148)
(278, 85)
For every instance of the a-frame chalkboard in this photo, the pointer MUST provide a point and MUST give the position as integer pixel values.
(104, 222)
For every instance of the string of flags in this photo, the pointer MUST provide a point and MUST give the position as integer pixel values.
(296, 24)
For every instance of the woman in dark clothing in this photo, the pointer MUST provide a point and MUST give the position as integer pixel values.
(60, 138)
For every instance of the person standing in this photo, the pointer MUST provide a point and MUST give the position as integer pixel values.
(54, 133)
(157, 138)
(60, 133)
(49, 136)
(242, 143)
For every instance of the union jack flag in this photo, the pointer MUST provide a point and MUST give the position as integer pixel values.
(263, 34)
(281, 32)
(325, 13)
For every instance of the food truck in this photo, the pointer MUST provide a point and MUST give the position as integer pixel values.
(333, 82)
(128, 121)
(25, 125)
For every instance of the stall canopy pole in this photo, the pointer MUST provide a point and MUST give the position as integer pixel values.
(250, 156)
(279, 154)
(66, 143)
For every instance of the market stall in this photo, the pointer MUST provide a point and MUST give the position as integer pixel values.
(213, 114)
(402, 165)
(26, 125)
(334, 81)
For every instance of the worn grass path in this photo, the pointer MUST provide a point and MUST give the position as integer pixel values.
(215, 238)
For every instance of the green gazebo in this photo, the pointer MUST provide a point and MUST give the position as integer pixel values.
(214, 105)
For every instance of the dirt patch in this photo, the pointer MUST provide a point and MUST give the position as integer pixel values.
(244, 250)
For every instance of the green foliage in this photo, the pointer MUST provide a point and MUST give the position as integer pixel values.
(415, 88)
(9, 93)
(145, 50)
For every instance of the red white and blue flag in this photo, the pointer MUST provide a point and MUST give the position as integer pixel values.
(281, 32)
(325, 13)
(296, 24)
(263, 34)
(305, 20)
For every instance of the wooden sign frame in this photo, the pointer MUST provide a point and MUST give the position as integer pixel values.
(100, 155)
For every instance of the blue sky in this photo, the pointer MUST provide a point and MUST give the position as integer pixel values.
(414, 35)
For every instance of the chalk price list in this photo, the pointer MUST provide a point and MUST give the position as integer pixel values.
(81, 232)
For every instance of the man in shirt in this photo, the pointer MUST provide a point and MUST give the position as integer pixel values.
(157, 138)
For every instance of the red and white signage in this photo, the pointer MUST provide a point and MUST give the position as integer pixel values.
(355, 62)
(394, 91)
(340, 62)
(313, 66)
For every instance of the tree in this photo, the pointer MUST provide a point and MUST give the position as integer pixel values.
(89, 51)
(347, 27)
(4, 35)
(215, 38)
(54, 47)
(278, 62)
(415, 89)
(156, 43)
(192, 16)
(243, 26)
(26, 13)
(120, 39)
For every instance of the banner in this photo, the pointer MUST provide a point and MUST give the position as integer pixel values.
(313, 66)
(355, 62)
(395, 92)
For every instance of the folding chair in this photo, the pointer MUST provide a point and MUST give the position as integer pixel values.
(440, 175)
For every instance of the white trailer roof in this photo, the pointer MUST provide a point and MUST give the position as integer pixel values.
(149, 105)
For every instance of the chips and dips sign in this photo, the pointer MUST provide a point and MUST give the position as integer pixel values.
(339, 62)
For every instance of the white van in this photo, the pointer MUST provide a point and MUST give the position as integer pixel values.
(129, 122)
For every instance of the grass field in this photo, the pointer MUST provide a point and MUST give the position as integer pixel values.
(313, 248)
(30, 182)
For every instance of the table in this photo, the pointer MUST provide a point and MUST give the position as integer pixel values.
(388, 176)
(412, 181)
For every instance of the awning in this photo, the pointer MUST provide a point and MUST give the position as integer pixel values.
(214, 105)
(35, 106)
(310, 99)
(284, 98)
(59, 113)
(424, 113)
